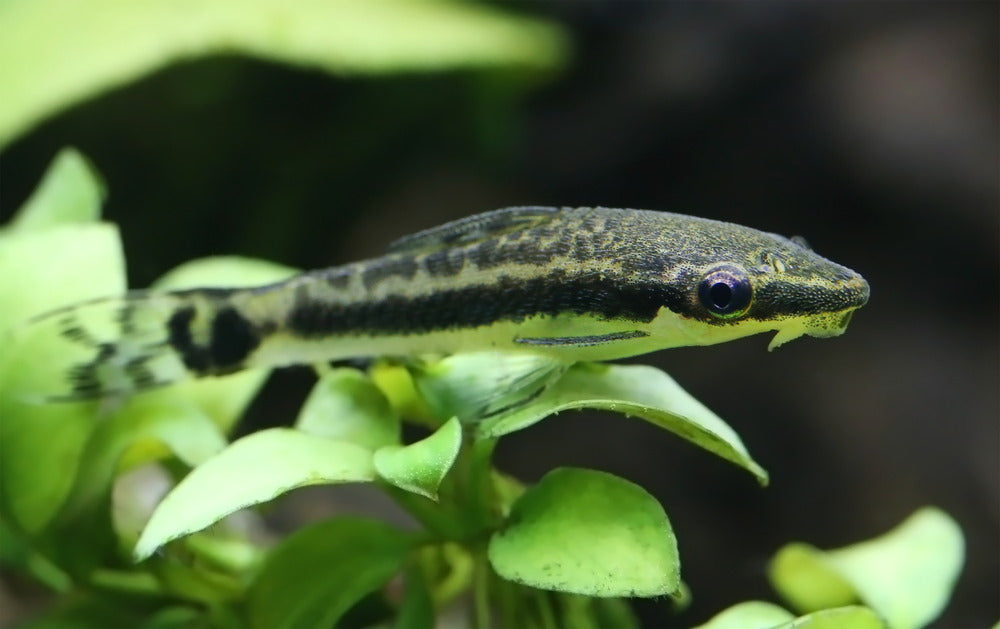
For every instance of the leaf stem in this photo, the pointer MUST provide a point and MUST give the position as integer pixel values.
(480, 591)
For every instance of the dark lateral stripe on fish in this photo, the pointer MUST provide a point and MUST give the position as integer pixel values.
(506, 299)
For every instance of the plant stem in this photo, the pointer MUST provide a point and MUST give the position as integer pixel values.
(480, 592)
(480, 482)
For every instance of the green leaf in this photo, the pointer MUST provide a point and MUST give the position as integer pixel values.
(476, 384)
(849, 617)
(588, 533)
(906, 575)
(346, 405)
(319, 572)
(252, 470)
(223, 398)
(639, 390)
(41, 443)
(70, 192)
(749, 615)
(78, 49)
(420, 467)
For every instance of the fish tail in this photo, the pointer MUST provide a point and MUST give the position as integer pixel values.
(143, 340)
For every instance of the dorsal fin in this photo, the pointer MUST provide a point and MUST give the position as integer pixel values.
(471, 229)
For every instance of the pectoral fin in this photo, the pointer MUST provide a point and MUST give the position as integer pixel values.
(581, 341)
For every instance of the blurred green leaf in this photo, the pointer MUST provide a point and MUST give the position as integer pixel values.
(589, 533)
(86, 612)
(849, 617)
(421, 466)
(250, 471)
(763, 615)
(798, 573)
(749, 615)
(639, 390)
(40, 442)
(196, 581)
(70, 192)
(176, 618)
(906, 575)
(54, 53)
(346, 405)
(223, 271)
(144, 428)
(17, 554)
(319, 572)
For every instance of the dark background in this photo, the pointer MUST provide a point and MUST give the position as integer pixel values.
(869, 128)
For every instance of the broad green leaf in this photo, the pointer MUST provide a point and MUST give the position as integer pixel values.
(849, 617)
(589, 533)
(477, 384)
(70, 192)
(54, 53)
(906, 575)
(421, 466)
(346, 405)
(223, 398)
(749, 615)
(639, 390)
(252, 470)
(319, 572)
(40, 442)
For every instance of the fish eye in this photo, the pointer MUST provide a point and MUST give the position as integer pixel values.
(725, 291)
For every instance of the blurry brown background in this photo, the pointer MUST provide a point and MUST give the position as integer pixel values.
(869, 128)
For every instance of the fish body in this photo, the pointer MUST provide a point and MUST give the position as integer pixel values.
(573, 284)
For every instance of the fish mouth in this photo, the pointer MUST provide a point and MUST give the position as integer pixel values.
(853, 294)
(862, 291)
(824, 302)
(838, 307)
(847, 295)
